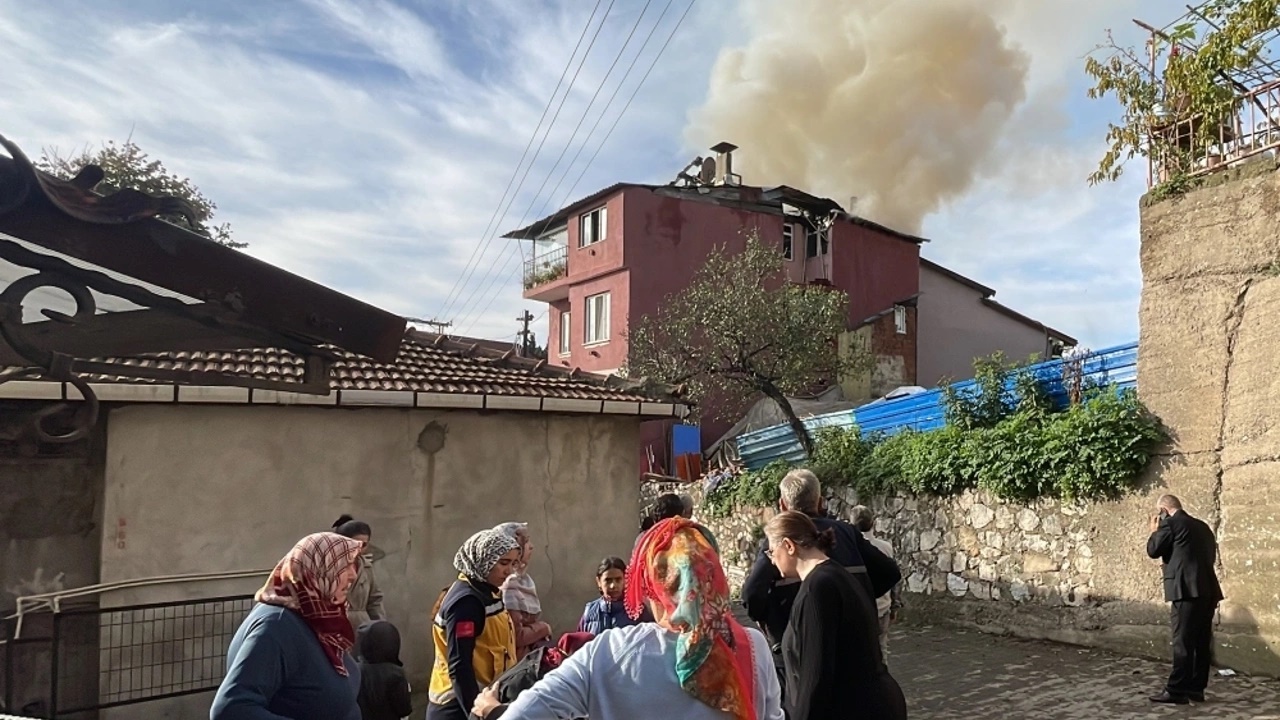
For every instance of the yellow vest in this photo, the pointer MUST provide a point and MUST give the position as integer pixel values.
(495, 650)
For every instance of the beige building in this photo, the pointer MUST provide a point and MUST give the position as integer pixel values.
(449, 439)
(959, 321)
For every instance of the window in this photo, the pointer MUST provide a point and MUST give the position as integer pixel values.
(592, 227)
(787, 249)
(900, 319)
(565, 330)
(597, 328)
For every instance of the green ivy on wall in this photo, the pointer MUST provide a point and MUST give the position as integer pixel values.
(1005, 439)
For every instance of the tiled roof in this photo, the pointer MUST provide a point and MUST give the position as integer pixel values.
(426, 363)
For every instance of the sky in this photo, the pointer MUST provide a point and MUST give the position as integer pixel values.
(371, 145)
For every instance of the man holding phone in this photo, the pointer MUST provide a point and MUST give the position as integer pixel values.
(1188, 550)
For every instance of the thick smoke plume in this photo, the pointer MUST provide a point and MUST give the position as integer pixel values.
(900, 103)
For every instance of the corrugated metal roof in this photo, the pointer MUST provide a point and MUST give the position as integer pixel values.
(1116, 366)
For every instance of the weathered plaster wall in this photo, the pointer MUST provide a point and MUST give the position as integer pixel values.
(50, 530)
(203, 489)
(1210, 302)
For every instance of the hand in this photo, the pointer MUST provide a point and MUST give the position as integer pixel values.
(1155, 523)
(543, 629)
(893, 616)
(486, 702)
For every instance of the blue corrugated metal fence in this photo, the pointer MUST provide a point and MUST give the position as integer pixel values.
(1116, 366)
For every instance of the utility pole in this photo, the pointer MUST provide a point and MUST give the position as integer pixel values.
(526, 337)
(438, 325)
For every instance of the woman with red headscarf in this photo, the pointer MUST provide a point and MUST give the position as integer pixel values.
(289, 659)
(695, 662)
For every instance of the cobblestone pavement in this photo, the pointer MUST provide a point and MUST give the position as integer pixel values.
(959, 675)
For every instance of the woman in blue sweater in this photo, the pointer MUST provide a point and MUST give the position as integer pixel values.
(289, 659)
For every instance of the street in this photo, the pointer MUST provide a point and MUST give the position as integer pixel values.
(952, 674)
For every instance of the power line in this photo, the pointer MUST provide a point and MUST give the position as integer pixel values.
(585, 142)
(483, 247)
(614, 126)
(489, 276)
(548, 211)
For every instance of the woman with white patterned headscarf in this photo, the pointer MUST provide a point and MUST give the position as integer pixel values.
(473, 634)
(520, 594)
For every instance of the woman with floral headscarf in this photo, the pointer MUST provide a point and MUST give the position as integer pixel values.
(474, 637)
(289, 659)
(694, 663)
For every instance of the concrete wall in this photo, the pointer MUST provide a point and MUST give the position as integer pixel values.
(204, 489)
(1207, 367)
(956, 327)
(50, 529)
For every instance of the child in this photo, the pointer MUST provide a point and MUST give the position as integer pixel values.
(609, 611)
(384, 690)
(889, 604)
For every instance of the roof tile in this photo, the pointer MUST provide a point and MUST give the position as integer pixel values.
(426, 363)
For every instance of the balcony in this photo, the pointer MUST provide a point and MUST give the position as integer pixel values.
(543, 270)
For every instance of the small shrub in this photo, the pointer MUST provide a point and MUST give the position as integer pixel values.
(1102, 446)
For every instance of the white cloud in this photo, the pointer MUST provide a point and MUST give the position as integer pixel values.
(366, 144)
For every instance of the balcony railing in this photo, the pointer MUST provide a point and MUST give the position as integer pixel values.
(1252, 130)
(546, 267)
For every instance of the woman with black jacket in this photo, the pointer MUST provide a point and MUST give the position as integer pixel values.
(831, 649)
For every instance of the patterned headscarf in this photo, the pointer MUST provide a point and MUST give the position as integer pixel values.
(480, 553)
(676, 563)
(517, 530)
(306, 581)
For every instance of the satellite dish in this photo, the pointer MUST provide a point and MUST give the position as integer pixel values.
(707, 175)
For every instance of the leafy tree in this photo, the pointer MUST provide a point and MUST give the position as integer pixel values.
(741, 329)
(1196, 88)
(127, 166)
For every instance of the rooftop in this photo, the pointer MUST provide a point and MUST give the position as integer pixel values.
(429, 371)
(759, 199)
(988, 295)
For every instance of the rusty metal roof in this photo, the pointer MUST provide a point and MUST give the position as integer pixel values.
(425, 363)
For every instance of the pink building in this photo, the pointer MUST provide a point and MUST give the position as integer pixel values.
(610, 258)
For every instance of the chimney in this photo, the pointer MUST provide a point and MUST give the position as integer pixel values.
(724, 164)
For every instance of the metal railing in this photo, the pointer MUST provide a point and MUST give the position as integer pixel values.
(546, 267)
(71, 662)
(1252, 130)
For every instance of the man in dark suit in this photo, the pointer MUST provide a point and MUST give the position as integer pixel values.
(1188, 549)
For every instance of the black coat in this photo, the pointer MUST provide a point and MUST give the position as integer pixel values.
(831, 649)
(768, 597)
(1188, 548)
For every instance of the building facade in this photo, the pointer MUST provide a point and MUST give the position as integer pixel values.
(605, 261)
(960, 320)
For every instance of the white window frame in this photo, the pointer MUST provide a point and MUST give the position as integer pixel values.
(593, 226)
(900, 319)
(595, 331)
(788, 241)
(566, 332)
